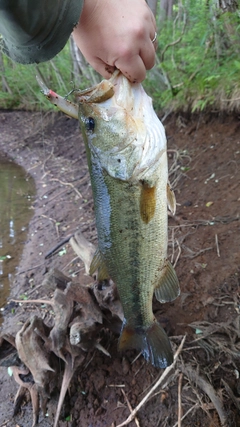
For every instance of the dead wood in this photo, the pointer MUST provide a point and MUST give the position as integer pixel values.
(25, 385)
(63, 308)
(107, 297)
(79, 312)
(8, 355)
(31, 351)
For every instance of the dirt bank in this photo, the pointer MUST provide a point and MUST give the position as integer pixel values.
(204, 242)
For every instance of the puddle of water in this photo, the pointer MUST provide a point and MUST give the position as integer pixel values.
(17, 191)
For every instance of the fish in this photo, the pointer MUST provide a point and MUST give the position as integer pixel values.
(127, 159)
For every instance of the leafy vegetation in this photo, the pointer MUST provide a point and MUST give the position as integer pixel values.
(198, 65)
(198, 55)
(20, 88)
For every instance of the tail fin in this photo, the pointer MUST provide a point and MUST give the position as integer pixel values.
(153, 341)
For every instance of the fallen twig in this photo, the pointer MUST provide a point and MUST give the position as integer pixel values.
(5, 422)
(130, 407)
(194, 254)
(208, 389)
(69, 184)
(54, 221)
(217, 245)
(58, 246)
(29, 269)
(180, 400)
(179, 253)
(231, 394)
(187, 413)
(156, 385)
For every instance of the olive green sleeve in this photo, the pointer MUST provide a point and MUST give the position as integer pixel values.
(36, 30)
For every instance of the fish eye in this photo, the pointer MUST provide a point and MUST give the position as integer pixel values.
(90, 124)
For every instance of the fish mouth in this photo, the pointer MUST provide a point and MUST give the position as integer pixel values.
(128, 94)
(118, 90)
(96, 94)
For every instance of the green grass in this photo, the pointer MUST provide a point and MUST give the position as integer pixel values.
(24, 91)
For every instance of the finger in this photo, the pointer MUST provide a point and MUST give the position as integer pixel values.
(133, 68)
(147, 53)
(101, 67)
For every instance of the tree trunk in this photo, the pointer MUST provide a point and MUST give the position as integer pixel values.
(166, 9)
(153, 6)
(228, 5)
(80, 66)
(225, 5)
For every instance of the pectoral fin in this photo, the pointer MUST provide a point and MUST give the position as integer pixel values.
(147, 203)
(99, 264)
(171, 199)
(167, 288)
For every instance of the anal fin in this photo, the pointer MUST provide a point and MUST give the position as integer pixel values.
(167, 288)
(99, 264)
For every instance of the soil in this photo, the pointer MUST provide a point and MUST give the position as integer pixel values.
(204, 242)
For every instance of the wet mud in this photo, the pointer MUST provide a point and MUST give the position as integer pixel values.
(17, 190)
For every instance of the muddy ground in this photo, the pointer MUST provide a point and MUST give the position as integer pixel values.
(204, 243)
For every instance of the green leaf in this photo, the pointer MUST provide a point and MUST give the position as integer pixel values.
(23, 297)
(10, 372)
(62, 252)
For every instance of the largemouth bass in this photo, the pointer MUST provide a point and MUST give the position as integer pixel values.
(127, 158)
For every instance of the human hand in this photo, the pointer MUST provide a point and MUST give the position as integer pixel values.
(117, 34)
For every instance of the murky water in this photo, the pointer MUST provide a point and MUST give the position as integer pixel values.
(17, 191)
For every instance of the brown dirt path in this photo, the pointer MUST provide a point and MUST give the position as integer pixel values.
(204, 240)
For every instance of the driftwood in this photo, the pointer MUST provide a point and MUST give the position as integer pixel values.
(79, 313)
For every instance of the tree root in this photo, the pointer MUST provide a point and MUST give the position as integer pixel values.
(77, 319)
